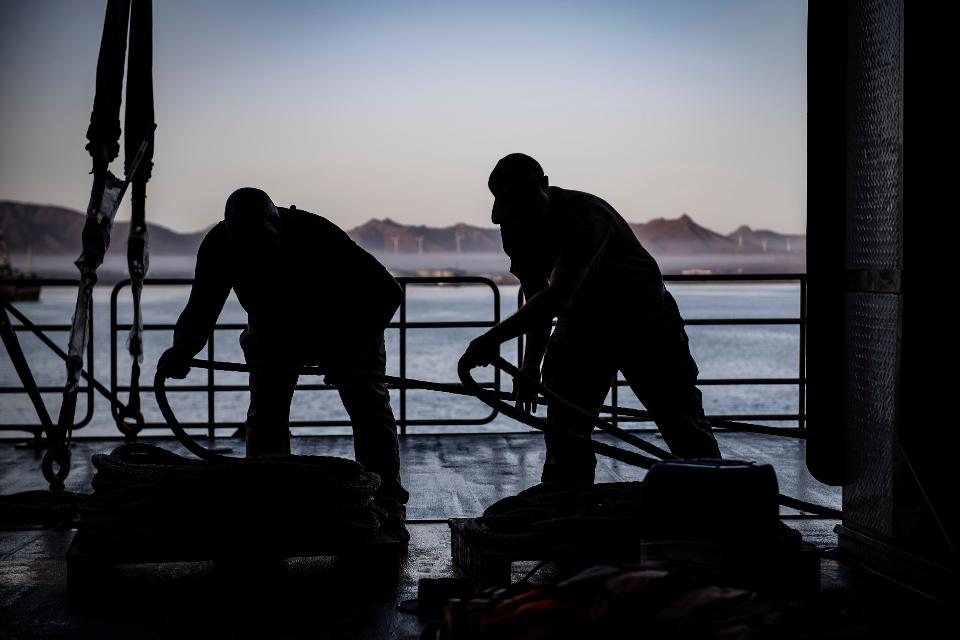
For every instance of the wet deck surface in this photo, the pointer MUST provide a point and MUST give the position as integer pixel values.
(452, 476)
(448, 476)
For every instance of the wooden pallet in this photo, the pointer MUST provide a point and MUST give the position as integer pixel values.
(786, 572)
(90, 559)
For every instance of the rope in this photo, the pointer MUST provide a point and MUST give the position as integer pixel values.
(463, 390)
(543, 425)
(494, 399)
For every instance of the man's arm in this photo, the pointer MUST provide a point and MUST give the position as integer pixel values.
(536, 346)
(544, 306)
(211, 286)
(538, 312)
(207, 297)
(538, 336)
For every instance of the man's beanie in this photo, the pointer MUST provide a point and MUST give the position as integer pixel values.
(250, 204)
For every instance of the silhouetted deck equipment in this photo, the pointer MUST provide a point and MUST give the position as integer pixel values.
(716, 516)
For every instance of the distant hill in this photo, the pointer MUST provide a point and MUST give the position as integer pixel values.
(392, 237)
(48, 229)
(681, 236)
(679, 244)
(661, 236)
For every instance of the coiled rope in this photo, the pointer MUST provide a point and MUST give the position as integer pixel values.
(145, 495)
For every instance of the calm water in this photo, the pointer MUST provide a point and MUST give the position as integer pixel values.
(721, 352)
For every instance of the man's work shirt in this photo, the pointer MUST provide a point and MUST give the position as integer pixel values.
(319, 293)
(623, 278)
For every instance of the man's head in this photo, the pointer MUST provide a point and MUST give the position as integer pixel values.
(253, 222)
(520, 189)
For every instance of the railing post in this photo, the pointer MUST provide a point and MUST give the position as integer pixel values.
(802, 391)
(114, 382)
(88, 416)
(211, 392)
(496, 320)
(403, 359)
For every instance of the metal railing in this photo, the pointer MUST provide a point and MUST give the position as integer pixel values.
(23, 324)
(212, 387)
(800, 381)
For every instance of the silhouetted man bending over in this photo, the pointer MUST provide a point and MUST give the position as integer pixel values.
(578, 261)
(312, 296)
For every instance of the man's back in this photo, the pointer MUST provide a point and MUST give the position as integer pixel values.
(318, 287)
(587, 232)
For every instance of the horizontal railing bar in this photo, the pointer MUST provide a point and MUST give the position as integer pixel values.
(46, 282)
(415, 280)
(319, 424)
(184, 388)
(736, 381)
(42, 327)
(488, 385)
(696, 322)
(438, 422)
(514, 432)
(44, 389)
(781, 417)
(736, 277)
(469, 324)
(236, 326)
(345, 423)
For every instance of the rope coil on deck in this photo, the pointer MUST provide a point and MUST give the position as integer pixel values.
(148, 494)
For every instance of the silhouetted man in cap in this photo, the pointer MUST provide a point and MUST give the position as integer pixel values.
(578, 261)
(312, 296)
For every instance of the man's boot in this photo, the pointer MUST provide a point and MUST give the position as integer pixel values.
(393, 523)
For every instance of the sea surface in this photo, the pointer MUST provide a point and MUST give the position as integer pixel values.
(431, 354)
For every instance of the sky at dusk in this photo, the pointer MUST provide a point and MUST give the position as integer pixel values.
(361, 109)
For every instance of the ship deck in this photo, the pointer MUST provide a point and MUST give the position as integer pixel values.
(448, 476)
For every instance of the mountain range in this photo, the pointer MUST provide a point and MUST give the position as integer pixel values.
(48, 229)
(52, 230)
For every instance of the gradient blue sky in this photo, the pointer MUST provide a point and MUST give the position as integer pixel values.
(371, 109)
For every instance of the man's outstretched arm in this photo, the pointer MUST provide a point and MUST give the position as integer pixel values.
(211, 286)
(538, 312)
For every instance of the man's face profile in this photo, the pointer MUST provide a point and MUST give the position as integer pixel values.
(519, 202)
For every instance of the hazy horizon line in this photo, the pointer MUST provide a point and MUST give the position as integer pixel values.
(393, 219)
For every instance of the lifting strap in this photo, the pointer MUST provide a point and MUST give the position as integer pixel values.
(103, 137)
(139, 118)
